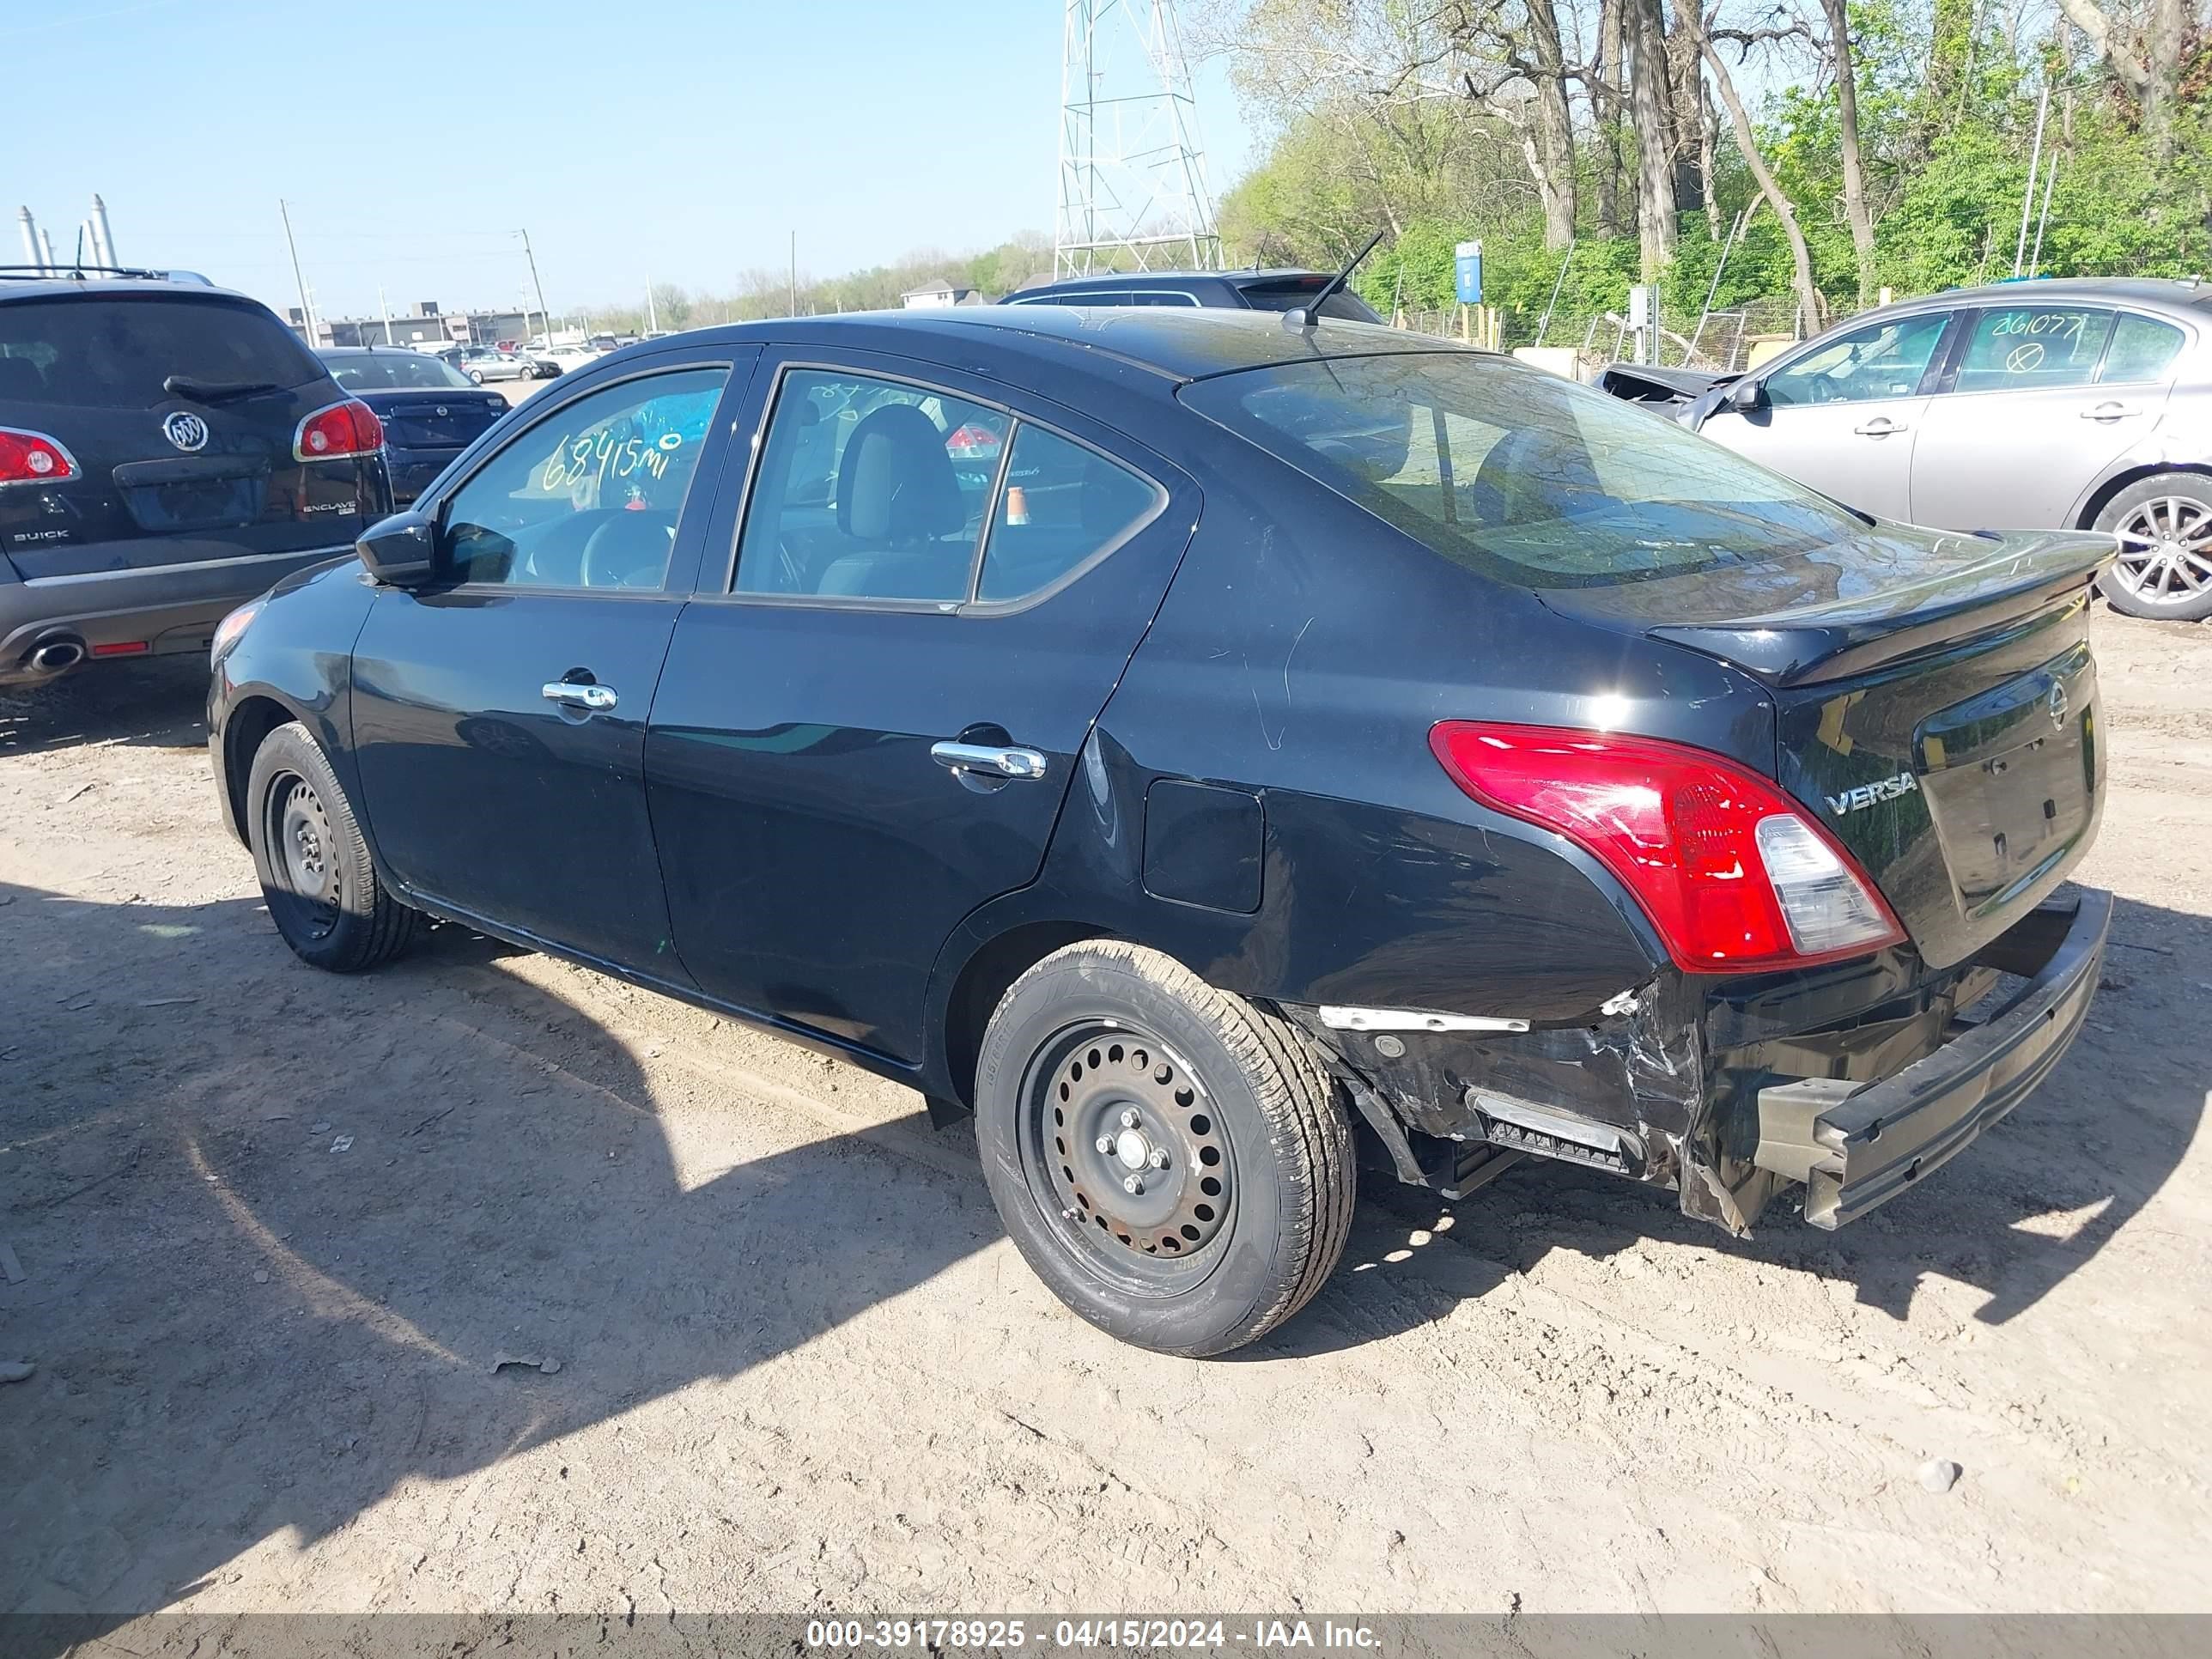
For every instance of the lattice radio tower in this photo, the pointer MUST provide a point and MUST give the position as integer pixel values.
(1133, 190)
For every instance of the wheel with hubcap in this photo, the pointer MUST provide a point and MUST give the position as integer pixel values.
(317, 878)
(2164, 567)
(1172, 1160)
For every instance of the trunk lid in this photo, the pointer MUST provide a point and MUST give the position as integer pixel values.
(179, 407)
(421, 420)
(1936, 706)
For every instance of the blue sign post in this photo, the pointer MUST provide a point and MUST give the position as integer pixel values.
(1467, 270)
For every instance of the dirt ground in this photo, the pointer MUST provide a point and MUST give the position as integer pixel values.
(274, 1230)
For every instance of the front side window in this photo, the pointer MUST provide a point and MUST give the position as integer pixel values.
(588, 497)
(2033, 348)
(2142, 348)
(869, 488)
(1528, 479)
(1882, 360)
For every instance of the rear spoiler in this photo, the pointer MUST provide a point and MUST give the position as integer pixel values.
(1836, 639)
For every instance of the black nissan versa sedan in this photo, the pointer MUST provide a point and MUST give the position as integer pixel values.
(166, 450)
(1179, 736)
(429, 410)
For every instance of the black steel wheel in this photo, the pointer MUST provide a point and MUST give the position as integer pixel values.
(317, 877)
(1118, 1129)
(1173, 1161)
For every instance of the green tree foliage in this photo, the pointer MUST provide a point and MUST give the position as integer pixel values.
(1947, 92)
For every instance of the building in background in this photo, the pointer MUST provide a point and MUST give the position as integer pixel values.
(937, 294)
(422, 324)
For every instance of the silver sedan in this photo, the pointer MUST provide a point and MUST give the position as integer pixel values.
(2076, 403)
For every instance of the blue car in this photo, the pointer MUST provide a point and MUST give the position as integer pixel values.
(431, 411)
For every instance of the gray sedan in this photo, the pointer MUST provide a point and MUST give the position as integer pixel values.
(2079, 402)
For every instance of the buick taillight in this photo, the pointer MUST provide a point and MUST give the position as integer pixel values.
(340, 431)
(33, 458)
(1733, 875)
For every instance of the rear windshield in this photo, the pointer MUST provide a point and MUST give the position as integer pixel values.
(1527, 477)
(1284, 295)
(114, 353)
(402, 371)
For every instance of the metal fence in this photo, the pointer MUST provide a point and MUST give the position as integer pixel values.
(1721, 341)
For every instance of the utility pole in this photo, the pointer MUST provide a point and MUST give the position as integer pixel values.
(539, 286)
(794, 273)
(652, 316)
(2034, 164)
(306, 311)
(385, 312)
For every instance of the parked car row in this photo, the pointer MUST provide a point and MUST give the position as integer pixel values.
(1208, 746)
(1201, 742)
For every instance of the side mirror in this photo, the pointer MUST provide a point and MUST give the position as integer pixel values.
(1746, 395)
(400, 551)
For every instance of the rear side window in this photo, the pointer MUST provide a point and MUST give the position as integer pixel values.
(2030, 348)
(114, 353)
(1520, 475)
(2141, 349)
(1062, 505)
(870, 489)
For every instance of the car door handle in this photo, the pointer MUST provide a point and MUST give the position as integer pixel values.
(980, 757)
(594, 699)
(1880, 427)
(2108, 412)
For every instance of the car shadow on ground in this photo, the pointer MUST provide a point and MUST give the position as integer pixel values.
(159, 704)
(278, 1228)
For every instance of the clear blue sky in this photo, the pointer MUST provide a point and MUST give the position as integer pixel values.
(680, 139)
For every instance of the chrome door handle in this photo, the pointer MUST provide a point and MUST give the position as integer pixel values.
(594, 699)
(1880, 427)
(2107, 412)
(980, 757)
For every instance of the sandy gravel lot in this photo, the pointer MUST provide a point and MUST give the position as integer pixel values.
(801, 1369)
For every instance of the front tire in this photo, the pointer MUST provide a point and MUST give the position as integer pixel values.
(2164, 569)
(1174, 1162)
(476, 374)
(316, 875)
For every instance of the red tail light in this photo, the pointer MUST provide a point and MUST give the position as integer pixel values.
(33, 458)
(1732, 873)
(339, 432)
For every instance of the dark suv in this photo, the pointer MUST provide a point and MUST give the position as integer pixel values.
(166, 450)
(1232, 290)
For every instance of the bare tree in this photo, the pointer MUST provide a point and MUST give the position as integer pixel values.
(1649, 98)
(1554, 123)
(1845, 64)
(1747, 143)
(1603, 82)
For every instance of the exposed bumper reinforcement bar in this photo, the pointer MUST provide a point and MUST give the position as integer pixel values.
(1856, 1145)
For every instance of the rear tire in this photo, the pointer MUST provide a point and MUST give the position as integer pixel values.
(2164, 569)
(1109, 1065)
(316, 874)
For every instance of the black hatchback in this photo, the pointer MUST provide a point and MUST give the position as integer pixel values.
(431, 411)
(1203, 748)
(166, 450)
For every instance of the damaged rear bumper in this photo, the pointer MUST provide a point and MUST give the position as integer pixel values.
(1857, 1144)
